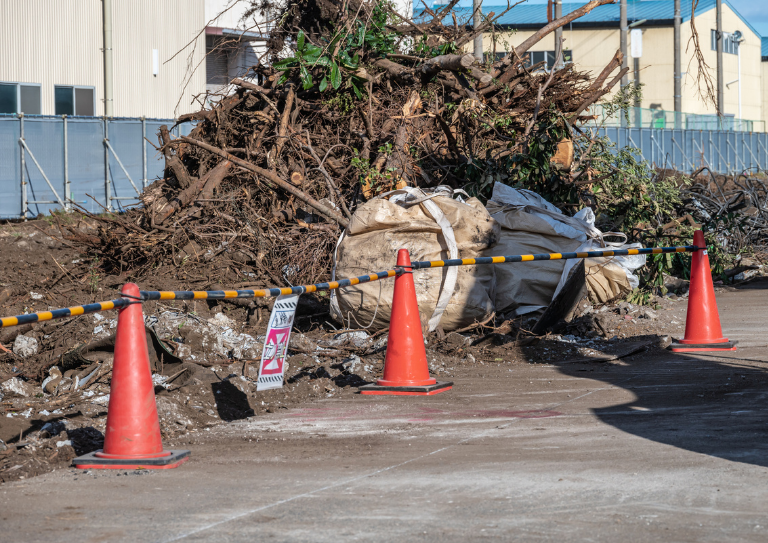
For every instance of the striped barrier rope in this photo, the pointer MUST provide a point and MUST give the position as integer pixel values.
(305, 289)
(552, 256)
(66, 312)
(263, 293)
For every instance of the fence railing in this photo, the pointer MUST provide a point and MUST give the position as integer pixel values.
(49, 163)
(663, 118)
(688, 150)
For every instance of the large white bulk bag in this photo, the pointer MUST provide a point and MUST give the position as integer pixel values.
(432, 226)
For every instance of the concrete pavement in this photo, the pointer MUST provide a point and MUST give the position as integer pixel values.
(657, 446)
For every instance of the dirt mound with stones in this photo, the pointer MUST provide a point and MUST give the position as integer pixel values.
(55, 376)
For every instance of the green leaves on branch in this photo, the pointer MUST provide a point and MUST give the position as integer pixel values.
(339, 56)
(628, 195)
(307, 57)
(533, 168)
(424, 50)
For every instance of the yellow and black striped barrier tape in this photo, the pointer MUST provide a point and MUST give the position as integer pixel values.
(66, 312)
(552, 256)
(341, 283)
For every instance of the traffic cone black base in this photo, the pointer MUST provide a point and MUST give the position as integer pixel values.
(685, 347)
(429, 390)
(93, 461)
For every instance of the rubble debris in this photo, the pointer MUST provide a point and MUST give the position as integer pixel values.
(25, 346)
(16, 387)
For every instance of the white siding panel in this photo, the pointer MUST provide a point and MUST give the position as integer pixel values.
(168, 26)
(52, 43)
(59, 42)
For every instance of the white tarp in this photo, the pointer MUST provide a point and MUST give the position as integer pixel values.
(532, 225)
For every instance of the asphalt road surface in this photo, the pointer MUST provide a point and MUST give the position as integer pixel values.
(659, 446)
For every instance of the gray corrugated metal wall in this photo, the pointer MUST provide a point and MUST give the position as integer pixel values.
(93, 170)
(688, 150)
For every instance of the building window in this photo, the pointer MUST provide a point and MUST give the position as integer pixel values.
(20, 98)
(730, 45)
(217, 51)
(535, 57)
(549, 57)
(494, 57)
(74, 100)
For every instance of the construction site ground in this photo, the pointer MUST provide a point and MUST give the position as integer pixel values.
(538, 444)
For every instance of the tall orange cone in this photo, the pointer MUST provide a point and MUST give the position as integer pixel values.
(406, 371)
(132, 438)
(702, 323)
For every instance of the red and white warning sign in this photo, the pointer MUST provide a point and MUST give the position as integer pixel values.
(276, 343)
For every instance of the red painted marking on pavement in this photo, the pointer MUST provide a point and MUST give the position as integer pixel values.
(512, 414)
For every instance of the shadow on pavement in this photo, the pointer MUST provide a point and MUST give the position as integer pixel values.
(695, 401)
(231, 402)
(758, 283)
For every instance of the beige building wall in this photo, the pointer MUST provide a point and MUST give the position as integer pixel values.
(751, 71)
(60, 43)
(764, 92)
(594, 48)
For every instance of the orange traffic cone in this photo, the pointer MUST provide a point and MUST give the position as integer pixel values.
(406, 371)
(702, 323)
(132, 438)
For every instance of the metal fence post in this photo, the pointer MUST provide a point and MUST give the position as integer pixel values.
(749, 148)
(144, 151)
(763, 147)
(23, 167)
(67, 186)
(108, 201)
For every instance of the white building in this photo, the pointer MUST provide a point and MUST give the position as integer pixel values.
(234, 41)
(164, 54)
(53, 58)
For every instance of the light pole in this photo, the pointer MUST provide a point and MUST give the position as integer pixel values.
(108, 99)
(678, 76)
(558, 62)
(738, 40)
(477, 20)
(719, 38)
(623, 40)
(623, 47)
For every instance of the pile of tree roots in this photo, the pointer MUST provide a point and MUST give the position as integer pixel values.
(352, 101)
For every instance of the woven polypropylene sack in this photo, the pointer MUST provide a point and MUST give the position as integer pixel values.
(379, 228)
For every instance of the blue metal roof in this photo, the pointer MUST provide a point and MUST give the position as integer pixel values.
(765, 48)
(658, 11)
